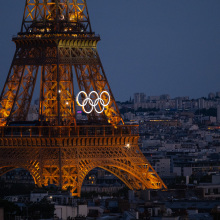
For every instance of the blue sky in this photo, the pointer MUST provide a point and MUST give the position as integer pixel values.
(152, 46)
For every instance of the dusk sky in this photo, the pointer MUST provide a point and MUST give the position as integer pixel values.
(151, 46)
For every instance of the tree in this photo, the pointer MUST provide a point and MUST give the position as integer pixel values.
(43, 209)
(10, 209)
(207, 112)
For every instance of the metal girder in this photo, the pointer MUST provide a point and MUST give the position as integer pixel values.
(57, 60)
(56, 39)
(57, 95)
(92, 78)
(17, 93)
(46, 16)
(66, 162)
(4, 170)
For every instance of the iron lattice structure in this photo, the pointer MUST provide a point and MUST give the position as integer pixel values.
(56, 40)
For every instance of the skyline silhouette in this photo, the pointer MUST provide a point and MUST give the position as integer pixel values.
(155, 47)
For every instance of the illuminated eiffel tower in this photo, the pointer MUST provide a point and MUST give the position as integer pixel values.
(56, 40)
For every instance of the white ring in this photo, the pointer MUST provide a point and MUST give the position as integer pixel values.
(92, 103)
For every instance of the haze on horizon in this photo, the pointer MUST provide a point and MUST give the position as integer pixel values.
(156, 47)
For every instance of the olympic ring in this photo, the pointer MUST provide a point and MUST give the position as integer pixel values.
(92, 103)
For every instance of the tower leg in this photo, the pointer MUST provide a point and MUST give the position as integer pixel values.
(92, 78)
(17, 93)
(57, 95)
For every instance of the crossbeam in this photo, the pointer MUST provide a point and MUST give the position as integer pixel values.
(69, 131)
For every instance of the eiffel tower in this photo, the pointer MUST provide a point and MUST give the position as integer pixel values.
(56, 40)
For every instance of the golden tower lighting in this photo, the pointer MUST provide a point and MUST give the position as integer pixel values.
(56, 41)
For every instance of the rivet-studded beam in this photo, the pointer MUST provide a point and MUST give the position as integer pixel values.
(56, 40)
(66, 161)
(55, 16)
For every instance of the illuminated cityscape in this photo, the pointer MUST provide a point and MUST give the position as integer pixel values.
(74, 151)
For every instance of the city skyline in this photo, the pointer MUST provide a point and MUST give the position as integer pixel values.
(81, 154)
(161, 48)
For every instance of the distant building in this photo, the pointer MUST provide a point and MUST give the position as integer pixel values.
(165, 97)
(195, 168)
(66, 212)
(211, 95)
(162, 123)
(211, 190)
(139, 100)
(154, 98)
(37, 197)
(129, 116)
(162, 167)
(179, 102)
(201, 103)
(33, 113)
(18, 176)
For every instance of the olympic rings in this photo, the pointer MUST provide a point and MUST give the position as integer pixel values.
(92, 103)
